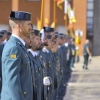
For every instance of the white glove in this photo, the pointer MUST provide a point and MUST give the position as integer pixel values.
(47, 81)
(90, 58)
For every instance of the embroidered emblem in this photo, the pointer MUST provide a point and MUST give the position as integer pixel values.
(12, 56)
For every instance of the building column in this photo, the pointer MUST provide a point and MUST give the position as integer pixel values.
(80, 13)
(96, 33)
(15, 5)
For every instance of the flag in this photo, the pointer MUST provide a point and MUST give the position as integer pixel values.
(38, 24)
(74, 17)
(71, 16)
(66, 6)
(59, 2)
(53, 25)
(46, 23)
(78, 40)
(71, 30)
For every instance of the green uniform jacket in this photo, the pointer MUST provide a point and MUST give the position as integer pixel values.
(1, 49)
(43, 62)
(16, 72)
(38, 77)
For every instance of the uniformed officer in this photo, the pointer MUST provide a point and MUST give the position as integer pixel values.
(4, 32)
(64, 52)
(46, 55)
(1, 38)
(61, 55)
(1, 48)
(35, 44)
(69, 55)
(8, 35)
(16, 67)
(73, 53)
(86, 54)
(58, 59)
(47, 49)
(59, 40)
(56, 63)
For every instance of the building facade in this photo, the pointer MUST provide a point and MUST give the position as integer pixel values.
(86, 11)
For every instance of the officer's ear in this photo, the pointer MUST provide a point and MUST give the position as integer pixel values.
(18, 26)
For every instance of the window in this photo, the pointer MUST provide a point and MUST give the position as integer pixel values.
(89, 27)
(90, 13)
(90, 6)
(90, 0)
(90, 21)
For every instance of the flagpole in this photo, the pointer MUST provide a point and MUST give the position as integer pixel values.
(65, 14)
(65, 22)
(42, 13)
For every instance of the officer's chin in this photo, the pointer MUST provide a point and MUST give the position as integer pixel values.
(39, 47)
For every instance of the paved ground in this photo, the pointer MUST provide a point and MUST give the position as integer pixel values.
(84, 84)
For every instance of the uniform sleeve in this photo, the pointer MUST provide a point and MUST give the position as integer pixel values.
(12, 66)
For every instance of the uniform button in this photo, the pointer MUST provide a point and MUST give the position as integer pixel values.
(26, 55)
(44, 64)
(24, 92)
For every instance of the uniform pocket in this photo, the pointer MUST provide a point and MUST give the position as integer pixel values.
(26, 60)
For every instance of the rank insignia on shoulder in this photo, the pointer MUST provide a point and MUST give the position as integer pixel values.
(12, 56)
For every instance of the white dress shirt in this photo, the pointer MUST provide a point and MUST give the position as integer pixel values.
(23, 42)
(59, 46)
(33, 52)
(44, 49)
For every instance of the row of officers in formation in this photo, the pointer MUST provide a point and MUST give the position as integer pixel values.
(34, 65)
